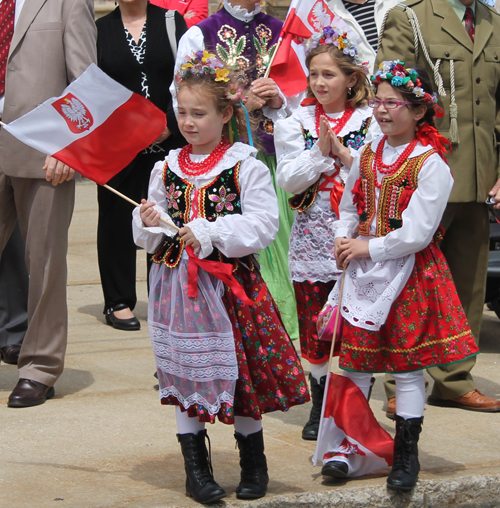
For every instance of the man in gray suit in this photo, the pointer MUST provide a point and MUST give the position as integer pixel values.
(52, 43)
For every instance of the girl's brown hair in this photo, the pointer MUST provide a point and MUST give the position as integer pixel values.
(361, 91)
(218, 90)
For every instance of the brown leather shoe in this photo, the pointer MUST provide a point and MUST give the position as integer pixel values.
(472, 401)
(391, 408)
(29, 393)
(10, 354)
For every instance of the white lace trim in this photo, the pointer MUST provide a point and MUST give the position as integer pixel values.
(311, 255)
(370, 289)
(236, 153)
(241, 13)
(197, 398)
(307, 118)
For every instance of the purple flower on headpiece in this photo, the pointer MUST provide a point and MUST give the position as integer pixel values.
(199, 55)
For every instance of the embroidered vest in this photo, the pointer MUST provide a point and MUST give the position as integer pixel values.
(395, 192)
(354, 139)
(217, 198)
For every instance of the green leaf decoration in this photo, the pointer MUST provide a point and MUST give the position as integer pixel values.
(222, 53)
(257, 45)
(240, 45)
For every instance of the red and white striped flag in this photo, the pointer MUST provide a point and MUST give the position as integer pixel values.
(96, 127)
(349, 430)
(304, 17)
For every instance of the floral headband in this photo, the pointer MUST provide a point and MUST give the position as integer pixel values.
(396, 74)
(343, 38)
(203, 63)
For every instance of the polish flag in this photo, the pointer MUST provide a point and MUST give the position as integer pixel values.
(349, 430)
(96, 127)
(289, 65)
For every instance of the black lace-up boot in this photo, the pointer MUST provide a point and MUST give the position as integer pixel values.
(200, 483)
(254, 477)
(311, 428)
(405, 468)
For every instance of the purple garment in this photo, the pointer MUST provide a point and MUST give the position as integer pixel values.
(248, 46)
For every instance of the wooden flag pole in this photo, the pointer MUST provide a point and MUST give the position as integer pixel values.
(337, 318)
(268, 70)
(131, 201)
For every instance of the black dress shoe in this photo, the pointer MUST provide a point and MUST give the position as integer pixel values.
(121, 324)
(335, 469)
(10, 354)
(29, 393)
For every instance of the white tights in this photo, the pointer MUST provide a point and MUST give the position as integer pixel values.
(243, 425)
(318, 370)
(410, 391)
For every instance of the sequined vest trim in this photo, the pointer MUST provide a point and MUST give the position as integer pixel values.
(389, 208)
(354, 139)
(220, 197)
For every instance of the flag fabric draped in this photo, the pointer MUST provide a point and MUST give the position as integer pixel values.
(304, 17)
(349, 430)
(96, 127)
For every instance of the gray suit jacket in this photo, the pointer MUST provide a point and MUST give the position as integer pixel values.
(54, 42)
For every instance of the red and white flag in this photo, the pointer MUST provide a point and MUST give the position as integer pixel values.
(349, 430)
(289, 66)
(96, 127)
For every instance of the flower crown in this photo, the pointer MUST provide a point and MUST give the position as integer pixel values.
(203, 63)
(396, 74)
(342, 37)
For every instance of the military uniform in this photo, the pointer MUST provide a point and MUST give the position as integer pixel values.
(474, 160)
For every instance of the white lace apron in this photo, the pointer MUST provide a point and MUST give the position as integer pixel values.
(192, 338)
(370, 289)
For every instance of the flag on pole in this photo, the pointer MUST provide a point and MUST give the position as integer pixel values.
(304, 17)
(96, 127)
(349, 430)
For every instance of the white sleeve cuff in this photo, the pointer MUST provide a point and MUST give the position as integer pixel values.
(341, 232)
(377, 249)
(202, 231)
(276, 114)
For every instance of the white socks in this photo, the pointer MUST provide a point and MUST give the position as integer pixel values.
(245, 425)
(318, 370)
(187, 425)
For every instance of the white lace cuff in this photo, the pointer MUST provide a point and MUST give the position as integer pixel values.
(276, 114)
(203, 232)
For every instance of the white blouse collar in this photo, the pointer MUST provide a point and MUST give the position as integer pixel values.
(241, 13)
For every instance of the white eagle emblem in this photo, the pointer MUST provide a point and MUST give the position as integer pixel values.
(76, 112)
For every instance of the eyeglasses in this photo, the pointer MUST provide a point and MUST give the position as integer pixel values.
(388, 104)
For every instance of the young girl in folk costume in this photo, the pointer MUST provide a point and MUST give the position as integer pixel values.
(221, 349)
(244, 38)
(314, 148)
(400, 306)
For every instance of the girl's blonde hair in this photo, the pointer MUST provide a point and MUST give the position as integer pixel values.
(361, 91)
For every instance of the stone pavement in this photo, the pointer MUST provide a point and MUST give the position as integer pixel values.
(105, 441)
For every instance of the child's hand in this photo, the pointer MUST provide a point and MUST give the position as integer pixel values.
(189, 239)
(339, 150)
(324, 142)
(150, 217)
(347, 249)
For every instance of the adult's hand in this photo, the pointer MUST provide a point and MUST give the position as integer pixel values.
(56, 171)
(254, 102)
(163, 136)
(189, 14)
(267, 89)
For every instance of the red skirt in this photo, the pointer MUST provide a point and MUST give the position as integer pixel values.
(311, 296)
(426, 325)
(270, 374)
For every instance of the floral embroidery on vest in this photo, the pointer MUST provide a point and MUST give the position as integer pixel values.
(218, 198)
(264, 54)
(395, 193)
(232, 56)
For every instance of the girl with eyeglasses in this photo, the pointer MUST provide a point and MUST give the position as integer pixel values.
(400, 306)
(314, 148)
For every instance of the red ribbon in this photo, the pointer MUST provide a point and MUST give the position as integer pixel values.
(428, 135)
(335, 192)
(223, 271)
(358, 196)
(309, 101)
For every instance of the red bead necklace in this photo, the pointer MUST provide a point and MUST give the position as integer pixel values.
(339, 122)
(390, 169)
(191, 168)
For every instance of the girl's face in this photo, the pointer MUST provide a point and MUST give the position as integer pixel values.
(328, 83)
(199, 120)
(399, 124)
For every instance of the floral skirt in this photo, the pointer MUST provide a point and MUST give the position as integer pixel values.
(426, 325)
(311, 296)
(270, 376)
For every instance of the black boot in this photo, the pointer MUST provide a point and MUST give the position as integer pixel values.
(311, 428)
(200, 483)
(253, 463)
(405, 468)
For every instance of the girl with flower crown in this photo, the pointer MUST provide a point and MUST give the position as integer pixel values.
(400, 307)
(221, 349)
(314, 149)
